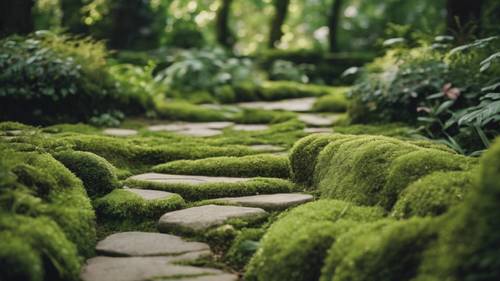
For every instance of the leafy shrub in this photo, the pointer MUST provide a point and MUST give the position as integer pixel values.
(183, 34)
(286, 70)
(57, 78)
(296, 244)
(262, 165)
(451, 93)
(97, 174)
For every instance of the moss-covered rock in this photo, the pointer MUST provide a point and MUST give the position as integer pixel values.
(294, 247)
(434, 194)
(123, 204)
(336, 102)
(468, 243)
(392, 252)
(193, 192)
(262, 165)
(97, 173)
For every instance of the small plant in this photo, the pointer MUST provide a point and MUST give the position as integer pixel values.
(286, 70)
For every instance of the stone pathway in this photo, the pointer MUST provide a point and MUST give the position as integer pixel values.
(272, 202)
(250, 127)
(203, 129)
(318, 120)
(147, 194)
(267, 148)
(296, 105)
(184, 179)
(198, 219)
(117, 132)
(317, 130)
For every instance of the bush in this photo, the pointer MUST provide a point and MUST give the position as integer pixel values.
(97, 173)
(195, 192)
(393, 252)
(433, 195)
(286, 70)
(184, 34)
(336, 102)
(121, 204)
(262, 165)
(295, 245)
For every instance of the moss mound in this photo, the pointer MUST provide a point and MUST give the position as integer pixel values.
(123, 204)
(243, 247)
(393, 252)
(193, 192)
(96, 173)
(336, 102)
(263, 165)
(294, 247)
(45, 206)
(397, 130)
(434, 194)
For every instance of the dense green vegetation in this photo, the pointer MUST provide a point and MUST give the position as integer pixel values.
(383, 115)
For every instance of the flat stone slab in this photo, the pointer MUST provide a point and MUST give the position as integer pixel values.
(184, 179)
(147, 194)
(296, 105)
(197, 219)
(144, 269)
(204, 129)
(318, 119)
(117, 132)
(220, 277)
(318, 130)
(250, 127)
(279, 201)
(267, 148)
(147, 244)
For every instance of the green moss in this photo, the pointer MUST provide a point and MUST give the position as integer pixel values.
(468, 243)
(261, 116)
(177, 110)
(243, 247)
(393, 252)
(434, 194)
(336, 102)
(389, 130)
(278, 90)
(35, 249)
(71, 128)
(123, 204)
(304, 153)
(193, 192)
(343, 245)
(262, 165)
(96, 173)
(9, 126)
(295, 245)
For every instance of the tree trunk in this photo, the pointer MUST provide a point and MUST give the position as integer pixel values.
(72, 16)
(333, 23)
(281, 11)
(15, 17)
(463, 11)
(224, 34)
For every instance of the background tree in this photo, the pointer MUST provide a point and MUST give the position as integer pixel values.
(72, 17)
(463, 12)
(224, 34)
(280, 13)
(15, 17)
(333, 22)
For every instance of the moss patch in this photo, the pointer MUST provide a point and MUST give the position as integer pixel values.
(215, 190)
(295, 246)
(262, 165)
(335, 102)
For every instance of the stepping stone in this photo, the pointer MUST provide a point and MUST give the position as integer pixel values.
(205, 129)
(146, 269)
(220, 277)
(296, 105)
(182, 179)
(278, 201)
(148, 194)
(318, 130)
(317, 119)
(201, 218)
(267, 148)
(147, 244)
(200, 132)
(117, 132)
(250, 127)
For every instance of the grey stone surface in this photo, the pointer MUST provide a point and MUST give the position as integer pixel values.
(147, 194)
(317, 130)
(184, 179)
(297, 105)
(267, 148)
(278, 201)
(147, 244)
(318, 120)
(219, 277)
(197, 219)
(142, 269)
(250, 127)
(204, 129)
(117, 132)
